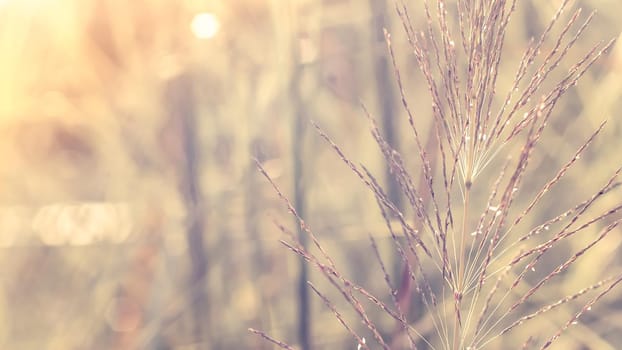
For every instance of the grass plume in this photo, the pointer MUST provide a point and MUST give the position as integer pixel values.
(463, 241)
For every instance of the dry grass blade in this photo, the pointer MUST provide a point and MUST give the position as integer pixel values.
(583, 310)
(411, 231)
(394, 295)
(556, 304)
(558, 176)
(559, 269)
(278, 343)
(422, 284)
(292, 210)
(338, 316)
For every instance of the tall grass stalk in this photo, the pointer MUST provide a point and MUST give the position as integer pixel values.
(469, 256)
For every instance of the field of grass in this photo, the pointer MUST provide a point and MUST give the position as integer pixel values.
(310, 174)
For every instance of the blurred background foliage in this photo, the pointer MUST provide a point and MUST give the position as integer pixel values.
(131, 212)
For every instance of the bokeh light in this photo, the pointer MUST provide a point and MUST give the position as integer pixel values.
(205, 25)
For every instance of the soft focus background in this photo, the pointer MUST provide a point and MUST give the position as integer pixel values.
(132, 215)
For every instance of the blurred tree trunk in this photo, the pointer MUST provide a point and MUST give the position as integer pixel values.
(386, 99)
(386, 102)
(533, 25)
(182, 104)
(298, 131)
(386, 95)
(304, 310)
(253, 201)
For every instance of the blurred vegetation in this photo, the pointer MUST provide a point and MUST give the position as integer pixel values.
(131, 212)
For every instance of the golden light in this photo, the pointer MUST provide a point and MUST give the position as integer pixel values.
(80, 224)
(205, 25)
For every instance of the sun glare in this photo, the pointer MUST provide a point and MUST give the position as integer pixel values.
(205, 25)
